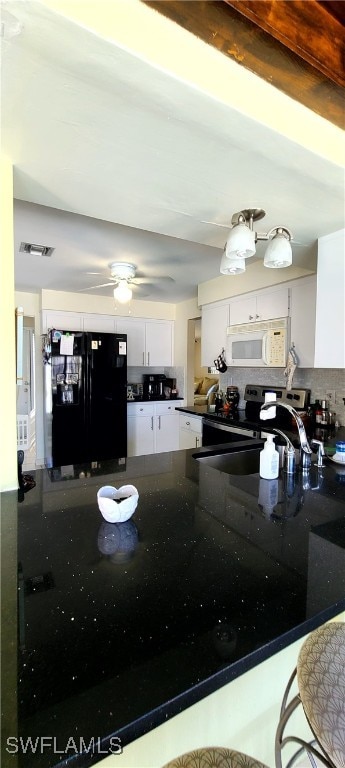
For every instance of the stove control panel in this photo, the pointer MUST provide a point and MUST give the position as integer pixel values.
(298, 398)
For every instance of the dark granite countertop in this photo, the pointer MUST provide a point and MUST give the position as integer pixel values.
(155, 400)
(328, 435)
(122, 626)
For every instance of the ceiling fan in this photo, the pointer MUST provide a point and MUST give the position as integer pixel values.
(124, 279)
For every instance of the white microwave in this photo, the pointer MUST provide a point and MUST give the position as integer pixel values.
(262, 344)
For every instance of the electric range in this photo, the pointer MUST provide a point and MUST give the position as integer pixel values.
(236, 425)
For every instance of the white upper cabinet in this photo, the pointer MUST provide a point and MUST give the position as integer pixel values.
(99, 323)
(330, 302)
(150, 342)
(302, 310)
(64, 321)
(135, 330)
(214, 322)
(266, 305)
(159, 342)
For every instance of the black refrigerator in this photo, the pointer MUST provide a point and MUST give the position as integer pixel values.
(85, 397)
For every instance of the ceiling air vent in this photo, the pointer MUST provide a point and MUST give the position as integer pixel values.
(36, 250)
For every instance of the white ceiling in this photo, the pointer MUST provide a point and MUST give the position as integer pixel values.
(118, 159)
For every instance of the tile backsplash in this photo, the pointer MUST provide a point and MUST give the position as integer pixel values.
(135, 375)
(324, 383)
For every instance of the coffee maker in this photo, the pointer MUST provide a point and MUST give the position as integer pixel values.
(153, 386)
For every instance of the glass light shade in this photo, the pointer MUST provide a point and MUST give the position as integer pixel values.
(278, 252)
(232, 266)
(122, 292)
(240, 242)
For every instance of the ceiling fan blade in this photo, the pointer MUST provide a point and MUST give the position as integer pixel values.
(141, 291)
(101, 285)
(150, 280)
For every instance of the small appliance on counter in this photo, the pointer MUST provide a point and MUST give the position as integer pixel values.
(134, 392)
(153, 386)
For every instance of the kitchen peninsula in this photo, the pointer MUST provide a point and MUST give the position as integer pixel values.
(122, 626)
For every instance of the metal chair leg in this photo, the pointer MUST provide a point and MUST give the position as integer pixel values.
(286, 711)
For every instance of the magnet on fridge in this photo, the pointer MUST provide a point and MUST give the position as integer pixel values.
(94, 344)
(122, 348)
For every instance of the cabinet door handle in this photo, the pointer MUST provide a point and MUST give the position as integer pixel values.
(159, 422)
(148, 358)
(251, 317)
(141, 409)
(197, 442)
(152, 423)
(257, 317)
(187, 423)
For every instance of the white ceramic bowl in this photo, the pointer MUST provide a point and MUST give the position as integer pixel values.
(113, 510)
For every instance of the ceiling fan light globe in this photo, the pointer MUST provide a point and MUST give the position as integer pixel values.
(232, 266)
(278, 252)
(122, 292)
(240, 242)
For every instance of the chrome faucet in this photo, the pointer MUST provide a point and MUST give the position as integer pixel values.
(289, 462)
(305, 449)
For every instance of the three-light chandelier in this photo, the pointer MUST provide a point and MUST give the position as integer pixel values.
(242, 240)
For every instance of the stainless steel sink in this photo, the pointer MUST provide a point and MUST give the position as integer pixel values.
(234, 462)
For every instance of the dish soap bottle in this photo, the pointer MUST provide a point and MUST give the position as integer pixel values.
(269, 460)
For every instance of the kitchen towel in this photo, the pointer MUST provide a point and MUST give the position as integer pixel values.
(291, 366)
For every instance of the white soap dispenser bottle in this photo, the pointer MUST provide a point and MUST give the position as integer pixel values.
(269, 460)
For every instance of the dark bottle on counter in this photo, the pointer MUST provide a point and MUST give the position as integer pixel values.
(324, 414)
(315, 412)
(232, 397)
(218, 401)
(318, 416)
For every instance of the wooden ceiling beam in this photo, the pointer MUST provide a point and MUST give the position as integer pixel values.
(306, 28)
(295, 45)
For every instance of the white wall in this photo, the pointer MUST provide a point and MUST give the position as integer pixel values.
(254, 278)
(186, 311)
(8, 442)
(105, 305)
(242, 715)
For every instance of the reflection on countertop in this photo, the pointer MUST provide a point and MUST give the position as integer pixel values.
(131, 623)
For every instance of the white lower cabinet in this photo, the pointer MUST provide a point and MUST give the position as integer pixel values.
(190, 428)
(140, 430)
(152, 428)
